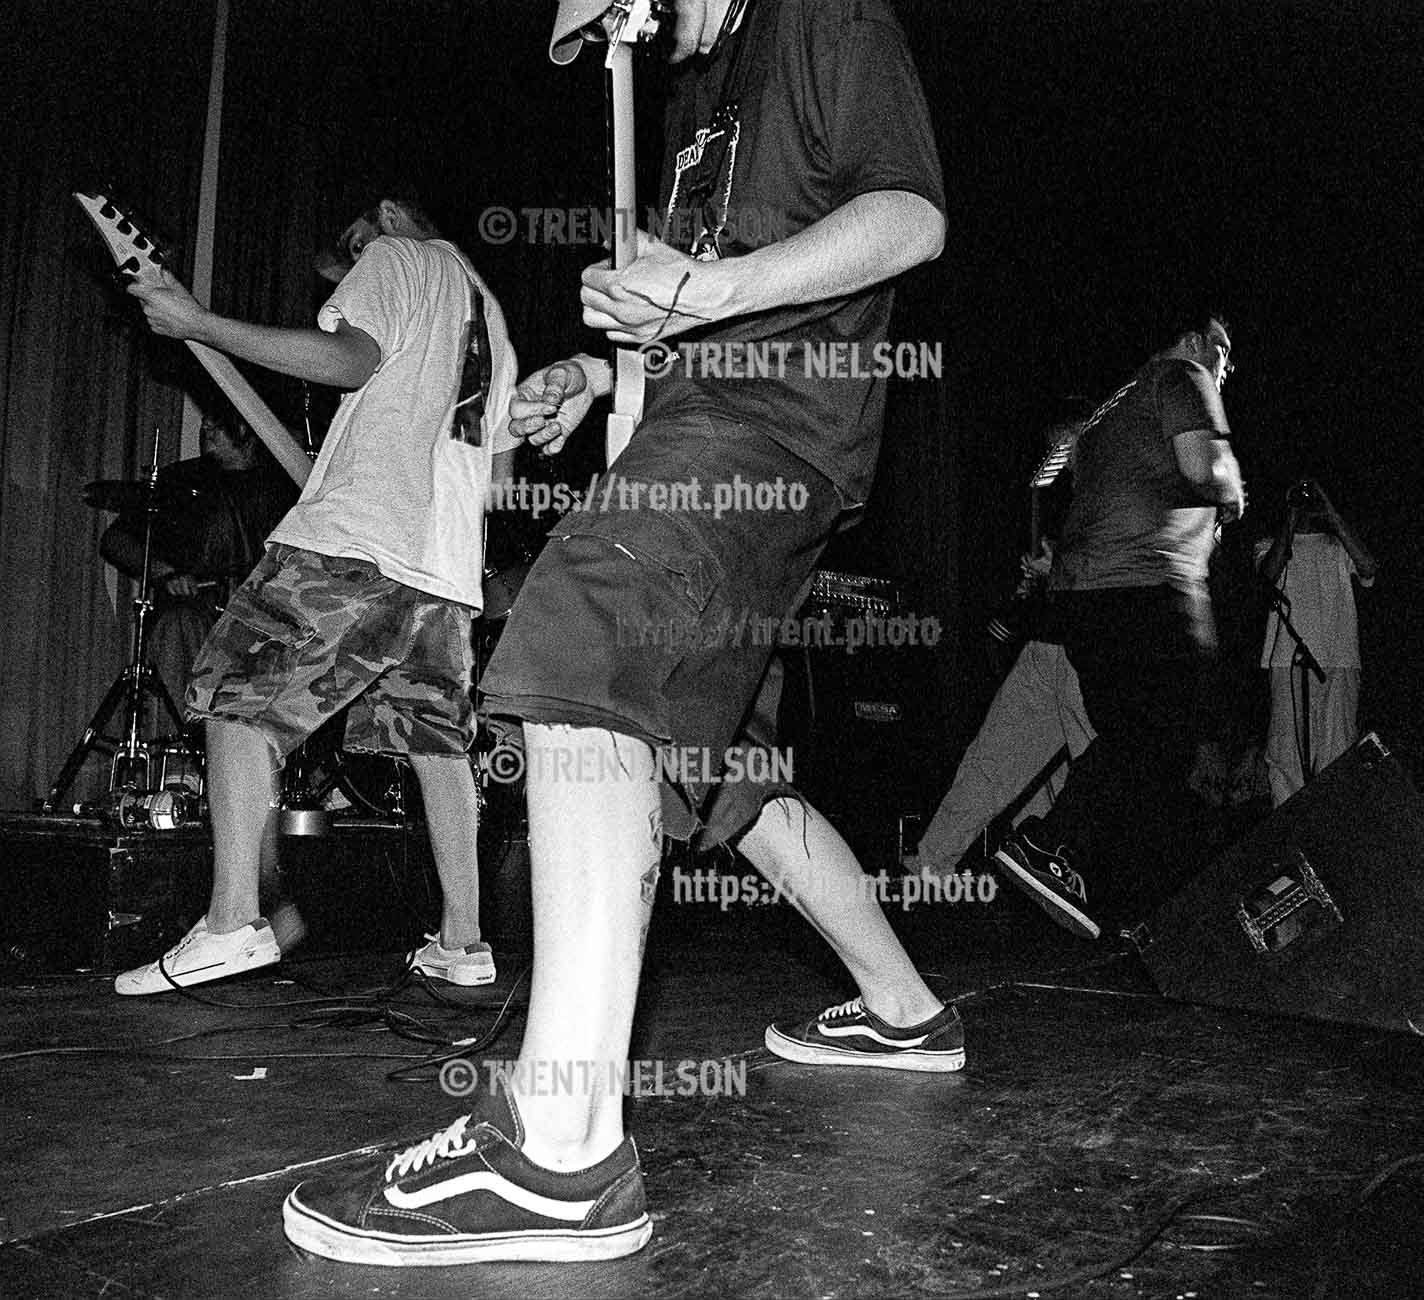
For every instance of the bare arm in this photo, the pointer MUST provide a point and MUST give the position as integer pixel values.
(1274, 561)
(1209, 465)
(1358, 552)
(872, 238)
(344, 359)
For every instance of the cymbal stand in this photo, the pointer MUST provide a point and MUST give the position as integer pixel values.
(135, 685)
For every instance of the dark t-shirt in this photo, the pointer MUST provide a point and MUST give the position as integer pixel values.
(1135, 520)
(819, 102)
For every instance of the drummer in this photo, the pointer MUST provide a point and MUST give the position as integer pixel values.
(214, 511)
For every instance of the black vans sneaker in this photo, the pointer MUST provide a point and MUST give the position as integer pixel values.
(469, 1195)
(850, 1034)
(1047, 878)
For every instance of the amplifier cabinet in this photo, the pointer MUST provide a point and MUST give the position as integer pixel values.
(1317, 912)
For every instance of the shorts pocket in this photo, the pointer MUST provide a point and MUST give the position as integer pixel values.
(660, 541)
(269, 608)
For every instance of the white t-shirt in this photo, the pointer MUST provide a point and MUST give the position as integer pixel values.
(1316, 581)
(392, 485)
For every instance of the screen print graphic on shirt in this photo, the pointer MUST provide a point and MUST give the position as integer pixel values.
(475, 374)
(701, 194)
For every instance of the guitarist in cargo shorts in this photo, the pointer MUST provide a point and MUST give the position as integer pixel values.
(367, 590)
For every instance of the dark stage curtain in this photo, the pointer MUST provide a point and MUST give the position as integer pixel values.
(90, 93)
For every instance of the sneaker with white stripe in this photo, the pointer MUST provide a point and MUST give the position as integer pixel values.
(200, 957)
(1047, 877)
(469, 1195)
(851, 1034)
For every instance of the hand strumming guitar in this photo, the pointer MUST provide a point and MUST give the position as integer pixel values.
(551, 403)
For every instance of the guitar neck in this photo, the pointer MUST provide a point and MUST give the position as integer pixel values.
(135, 253)
(628, 362)
(254, 410)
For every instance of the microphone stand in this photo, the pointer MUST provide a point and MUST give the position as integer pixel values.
(1307, 663)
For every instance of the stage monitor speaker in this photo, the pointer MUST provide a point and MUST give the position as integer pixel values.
(1318, 912)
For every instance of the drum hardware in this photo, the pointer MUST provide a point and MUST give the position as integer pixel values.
(160, 810)
(321, 778)
(133, 765)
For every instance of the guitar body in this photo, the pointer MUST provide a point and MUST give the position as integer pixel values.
(134, 254)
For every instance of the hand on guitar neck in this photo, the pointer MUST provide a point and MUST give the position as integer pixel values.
(173, 311)
(169, 308)
(662, 293)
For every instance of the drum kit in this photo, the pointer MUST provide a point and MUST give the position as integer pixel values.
(157, 769)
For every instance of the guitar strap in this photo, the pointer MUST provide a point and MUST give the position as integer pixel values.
(752, 48)
(476, 374)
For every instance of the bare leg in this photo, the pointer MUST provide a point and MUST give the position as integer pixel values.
(452, 812)
(811, 866)
(242, 793)
(595, 842)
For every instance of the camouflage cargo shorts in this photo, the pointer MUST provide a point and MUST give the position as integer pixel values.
(306, 635)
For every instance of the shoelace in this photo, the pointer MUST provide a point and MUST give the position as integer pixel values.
(852, 1008)
(187, 941)
(1070, 878)
(1058, 865)
(442, 1145)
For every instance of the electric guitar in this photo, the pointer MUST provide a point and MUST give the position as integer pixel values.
(134, 253)
(625, 23)
(1009, 626)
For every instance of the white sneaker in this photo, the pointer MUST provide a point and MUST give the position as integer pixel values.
(467, 966)
(200, 956)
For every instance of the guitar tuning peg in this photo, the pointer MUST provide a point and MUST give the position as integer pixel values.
(108, 210)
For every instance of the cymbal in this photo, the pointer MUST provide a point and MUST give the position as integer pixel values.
(127, 496)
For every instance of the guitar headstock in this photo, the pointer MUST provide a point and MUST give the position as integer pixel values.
(133, 251)
(633, 20)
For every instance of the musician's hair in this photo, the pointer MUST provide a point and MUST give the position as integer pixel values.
(415, 206)
(1193, 317)
(361, 200)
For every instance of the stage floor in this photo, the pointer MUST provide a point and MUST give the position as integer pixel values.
(1096, 1130)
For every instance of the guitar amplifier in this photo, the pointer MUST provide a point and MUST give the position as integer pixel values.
(852, 593)
(1317, 912)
